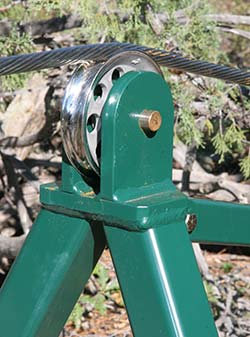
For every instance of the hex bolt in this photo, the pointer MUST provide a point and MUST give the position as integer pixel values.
(150, 120)
(191, 222)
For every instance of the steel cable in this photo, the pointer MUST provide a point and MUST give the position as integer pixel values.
(101, 52)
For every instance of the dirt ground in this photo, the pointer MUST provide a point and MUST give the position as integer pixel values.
(231, 273)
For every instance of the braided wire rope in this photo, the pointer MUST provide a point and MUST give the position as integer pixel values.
(101, 52)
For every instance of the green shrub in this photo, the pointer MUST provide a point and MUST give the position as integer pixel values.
(138, 21)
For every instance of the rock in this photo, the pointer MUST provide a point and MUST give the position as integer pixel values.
(26, 113)
(221, 195)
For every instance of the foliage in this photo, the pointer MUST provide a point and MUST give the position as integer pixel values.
(76, 314)
(36, 6)
(231, 138)
(15, 44)
(138, 21)
(227, 267)
(106, 288)
(210, 292)
(245, 166)
(186, 128)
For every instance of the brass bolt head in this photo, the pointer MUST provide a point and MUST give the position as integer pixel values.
(150, 120)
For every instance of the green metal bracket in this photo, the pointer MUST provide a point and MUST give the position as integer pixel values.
(136, 190)
(136, 209)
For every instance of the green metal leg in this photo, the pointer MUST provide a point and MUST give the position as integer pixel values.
(160, 282)
(48, 275)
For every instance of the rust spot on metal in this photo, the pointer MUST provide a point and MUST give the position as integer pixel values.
(191, 222)
(87, 194)
(51, 188)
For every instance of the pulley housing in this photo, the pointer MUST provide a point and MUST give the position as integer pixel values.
(83, 103)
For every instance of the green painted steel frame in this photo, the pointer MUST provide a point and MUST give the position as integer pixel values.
(160, 282)
(47, 277)
(142, 215)
(221, 222)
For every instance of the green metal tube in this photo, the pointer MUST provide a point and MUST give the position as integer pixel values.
(160, 282)
(221, 222)
(48, 275)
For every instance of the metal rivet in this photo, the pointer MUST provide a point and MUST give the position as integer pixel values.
(191, 222)
(150, 120)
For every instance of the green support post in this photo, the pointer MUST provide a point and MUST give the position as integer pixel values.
(160, 282)
(142, 214)
(47, 277)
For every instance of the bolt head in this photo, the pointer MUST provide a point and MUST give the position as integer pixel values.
(154, 121)
(150, 120)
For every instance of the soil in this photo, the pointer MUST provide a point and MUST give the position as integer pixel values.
(231, 273)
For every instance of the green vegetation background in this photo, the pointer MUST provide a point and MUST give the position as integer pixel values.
(217, 129)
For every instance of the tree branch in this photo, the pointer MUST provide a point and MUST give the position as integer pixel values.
(22, 209)
(190, 158)
(57, 24)
(38, 28)
(230, 19)
(235, 31)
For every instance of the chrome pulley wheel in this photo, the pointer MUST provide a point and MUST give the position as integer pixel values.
(83, 103)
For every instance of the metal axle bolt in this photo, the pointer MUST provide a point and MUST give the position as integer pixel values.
(150, 120)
